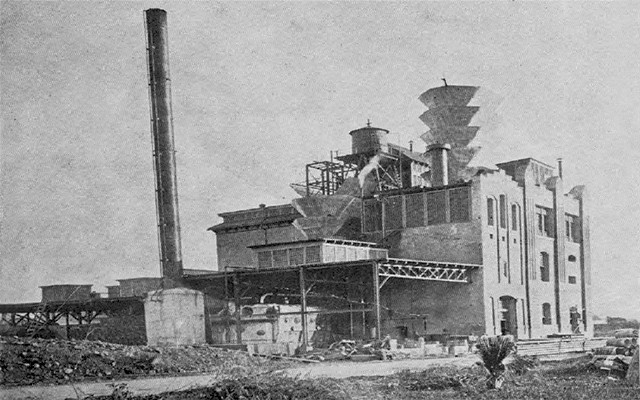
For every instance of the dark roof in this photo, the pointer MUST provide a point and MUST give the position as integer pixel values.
(258, 222)
(417, 157)
(68, 305)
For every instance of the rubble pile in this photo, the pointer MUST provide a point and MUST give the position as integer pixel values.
(387, 349)
(31, 361)
(619, 354)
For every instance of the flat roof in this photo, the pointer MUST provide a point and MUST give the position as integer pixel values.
(68, 285)
(63, 305)
(521, 160)
(323, 240)
(343, 264)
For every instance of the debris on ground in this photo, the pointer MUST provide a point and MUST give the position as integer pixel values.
(34, 361)
(619, 353)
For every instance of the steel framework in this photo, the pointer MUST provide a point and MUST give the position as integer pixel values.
(424, 270)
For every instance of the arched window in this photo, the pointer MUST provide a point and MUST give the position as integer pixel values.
(544, 266)
(503, 211)
(490, 212)
(572, 258)
(546, 314)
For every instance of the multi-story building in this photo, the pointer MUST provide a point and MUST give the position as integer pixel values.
(479, 250)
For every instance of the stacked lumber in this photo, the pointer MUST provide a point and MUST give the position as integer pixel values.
(618, 354)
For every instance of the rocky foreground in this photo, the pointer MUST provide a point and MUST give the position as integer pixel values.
(49, 361)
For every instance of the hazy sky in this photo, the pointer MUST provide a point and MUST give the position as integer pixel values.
(260, 89)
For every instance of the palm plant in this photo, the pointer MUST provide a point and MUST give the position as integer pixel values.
(493, 350)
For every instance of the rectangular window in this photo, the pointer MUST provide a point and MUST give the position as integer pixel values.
(264, 259)
(544, 266)
(459, 204)
(490, 212)
(312, 254)
(546, 314)
(372, 215)
(296, 256)
(572, 228)
(515, 217)
(280, 258)
(572, 279)
(503, 211)
(436, 207)
(393, 212)
(415, 210)
(544, 221)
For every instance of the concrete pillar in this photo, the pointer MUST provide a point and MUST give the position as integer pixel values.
(560, 276)
(174, 317)
(580, 193)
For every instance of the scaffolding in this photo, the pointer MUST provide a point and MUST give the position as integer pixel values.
(324, 178)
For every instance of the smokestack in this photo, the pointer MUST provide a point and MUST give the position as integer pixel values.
(163, 147)
(439, 164)
(560, 167)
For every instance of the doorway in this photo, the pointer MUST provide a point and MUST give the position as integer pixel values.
(508, 316)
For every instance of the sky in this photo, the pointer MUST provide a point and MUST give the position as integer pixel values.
(260, 89)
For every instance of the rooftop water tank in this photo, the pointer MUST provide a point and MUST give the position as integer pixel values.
(369, 140)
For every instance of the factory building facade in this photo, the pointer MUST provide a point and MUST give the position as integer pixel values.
(482, 250)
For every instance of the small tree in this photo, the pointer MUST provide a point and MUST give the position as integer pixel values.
(493, 351)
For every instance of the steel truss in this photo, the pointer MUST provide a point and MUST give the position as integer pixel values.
(424, 270)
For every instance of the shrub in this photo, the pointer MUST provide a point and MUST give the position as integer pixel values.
(493, 350)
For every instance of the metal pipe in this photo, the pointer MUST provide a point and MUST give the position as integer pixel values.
(439, 164)
(163, 147)
(560, 167)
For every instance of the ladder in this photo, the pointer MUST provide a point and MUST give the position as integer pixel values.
(35, 325)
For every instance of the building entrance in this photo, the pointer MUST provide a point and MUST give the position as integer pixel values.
(508, 316)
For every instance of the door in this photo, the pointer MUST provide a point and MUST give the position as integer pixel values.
(508, 316)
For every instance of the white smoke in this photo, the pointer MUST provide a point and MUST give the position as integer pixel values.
(370, 167)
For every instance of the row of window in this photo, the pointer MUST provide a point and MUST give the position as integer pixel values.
(417, 209)
(545, 268)
(289, 257)
(502, 213)
(545, 227)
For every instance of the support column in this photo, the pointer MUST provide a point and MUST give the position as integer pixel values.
(303, 311)
(555, 185)
(376, 298)
(67, 328)
(236, 295)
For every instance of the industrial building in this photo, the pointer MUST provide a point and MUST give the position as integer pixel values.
(384, 241)
(418, 245)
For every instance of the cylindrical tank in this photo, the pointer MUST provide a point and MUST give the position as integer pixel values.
(368, 140)
(439, 164)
